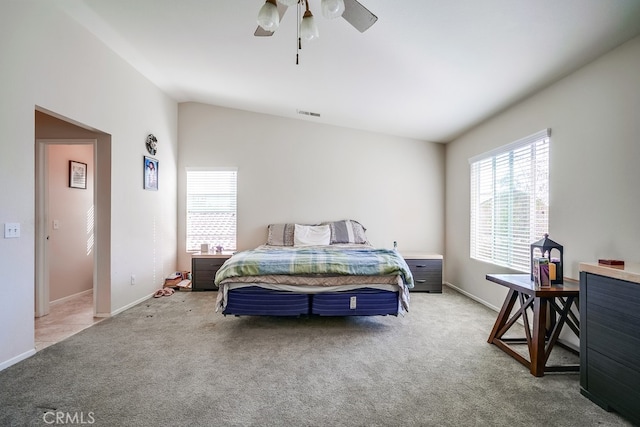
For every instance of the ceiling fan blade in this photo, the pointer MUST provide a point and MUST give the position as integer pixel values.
(358, 15)
(260, 32)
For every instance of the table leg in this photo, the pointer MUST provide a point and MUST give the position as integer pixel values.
(538, 359)
(524, 304)
(503, 316)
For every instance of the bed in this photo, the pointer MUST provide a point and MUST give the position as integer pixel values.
(328, 269)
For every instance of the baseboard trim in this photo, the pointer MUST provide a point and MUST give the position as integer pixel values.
(67, 298)
(128, 306)
(102, 315)
(4, 365)
(473, 297)
(481, 301)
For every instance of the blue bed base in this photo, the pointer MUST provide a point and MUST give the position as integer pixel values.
(361, 302)
(257, 301)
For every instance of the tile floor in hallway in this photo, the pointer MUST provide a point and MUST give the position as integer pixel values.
(65, 319)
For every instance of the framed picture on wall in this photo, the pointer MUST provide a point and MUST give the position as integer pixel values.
(77, 174)
(150, 173)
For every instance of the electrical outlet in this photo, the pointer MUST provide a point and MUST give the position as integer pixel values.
(11, 230)
(133, 279)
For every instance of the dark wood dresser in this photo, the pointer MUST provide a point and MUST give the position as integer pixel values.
(426, 270)
(610, 338)
(204, 268)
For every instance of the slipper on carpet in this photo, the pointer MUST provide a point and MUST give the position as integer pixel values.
(167, 292)
(159, 293)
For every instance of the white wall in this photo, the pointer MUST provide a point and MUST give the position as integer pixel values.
(300, 171)
(51, 63)
(594, 175)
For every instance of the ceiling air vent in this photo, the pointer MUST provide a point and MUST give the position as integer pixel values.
(308, 113)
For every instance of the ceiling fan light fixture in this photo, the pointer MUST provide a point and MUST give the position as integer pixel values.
(332, 8)
(308, 27)
(268, 17)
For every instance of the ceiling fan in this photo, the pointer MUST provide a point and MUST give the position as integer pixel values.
(351, 10)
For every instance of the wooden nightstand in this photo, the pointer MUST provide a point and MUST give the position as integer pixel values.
(204, 268)
(426, 269)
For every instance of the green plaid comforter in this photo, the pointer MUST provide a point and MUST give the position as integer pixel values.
(315, 260)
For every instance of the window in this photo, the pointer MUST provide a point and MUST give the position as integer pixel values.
(510, 201)
(211, 208)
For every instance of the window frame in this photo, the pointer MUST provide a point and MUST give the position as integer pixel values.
(229, 242)
(499, 208)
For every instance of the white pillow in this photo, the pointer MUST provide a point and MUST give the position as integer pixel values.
(311, 235)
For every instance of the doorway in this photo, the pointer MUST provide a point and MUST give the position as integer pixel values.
(67, 205)
(53, 133)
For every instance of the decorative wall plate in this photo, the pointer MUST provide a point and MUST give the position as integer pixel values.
(152, 144)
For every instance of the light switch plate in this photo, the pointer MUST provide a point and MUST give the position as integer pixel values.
(11, 230)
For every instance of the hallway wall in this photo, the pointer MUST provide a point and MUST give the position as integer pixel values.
(54, 65)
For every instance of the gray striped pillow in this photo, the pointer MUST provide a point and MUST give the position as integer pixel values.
(280, 234)
(347, 231)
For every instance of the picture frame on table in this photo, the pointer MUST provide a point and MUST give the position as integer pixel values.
(150, 180)
(77, 175)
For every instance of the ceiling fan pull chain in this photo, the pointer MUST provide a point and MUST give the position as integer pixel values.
(298, 54)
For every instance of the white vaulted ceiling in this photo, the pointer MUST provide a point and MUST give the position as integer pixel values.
(427, 69)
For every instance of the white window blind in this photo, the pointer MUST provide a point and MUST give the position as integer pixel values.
(211, 208)
(510, 201)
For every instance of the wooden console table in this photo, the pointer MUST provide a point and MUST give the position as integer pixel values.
(551, 311)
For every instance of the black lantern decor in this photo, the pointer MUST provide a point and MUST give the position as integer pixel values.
(546, 247)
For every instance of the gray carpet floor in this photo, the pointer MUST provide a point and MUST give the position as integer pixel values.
(172, 361)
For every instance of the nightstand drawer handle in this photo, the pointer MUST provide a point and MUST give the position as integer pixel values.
(420, 265)
(420, 281)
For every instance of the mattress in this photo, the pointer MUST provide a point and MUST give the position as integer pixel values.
(333, 280)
